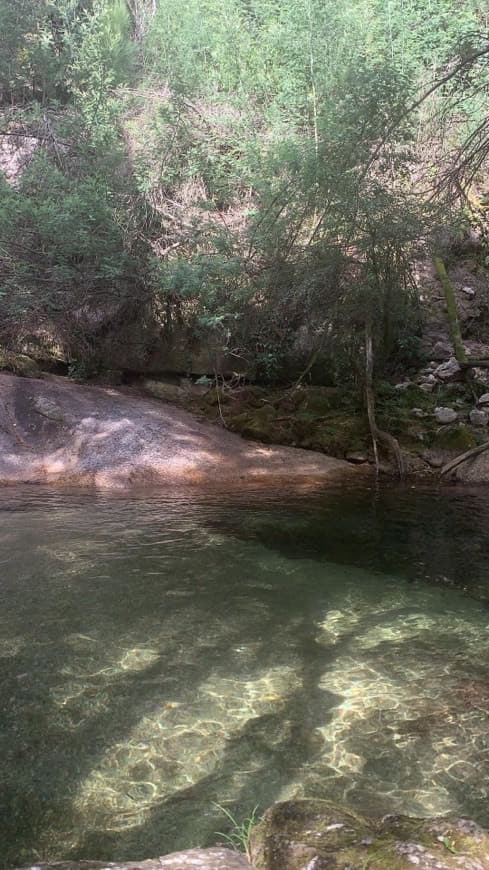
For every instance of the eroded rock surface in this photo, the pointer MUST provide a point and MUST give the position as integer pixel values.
(316, 835)
(191, 859)
(53, 431)
(475, 470)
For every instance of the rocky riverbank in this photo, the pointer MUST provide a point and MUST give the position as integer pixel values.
(54, 429)
(57, 432)
(434, 413)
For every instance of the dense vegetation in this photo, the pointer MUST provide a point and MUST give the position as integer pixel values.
(260, 173)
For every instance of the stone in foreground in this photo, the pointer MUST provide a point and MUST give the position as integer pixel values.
(317, 835)
(191, 859)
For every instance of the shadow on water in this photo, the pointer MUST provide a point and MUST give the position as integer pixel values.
(157, 657)
(272, 749)
(432, 534)
(54, 744)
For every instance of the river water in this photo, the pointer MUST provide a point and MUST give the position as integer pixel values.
(163, 654)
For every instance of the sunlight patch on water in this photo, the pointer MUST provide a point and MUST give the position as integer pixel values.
(177, 746)
(411, 729)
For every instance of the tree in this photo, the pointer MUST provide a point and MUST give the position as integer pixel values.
(262, 163)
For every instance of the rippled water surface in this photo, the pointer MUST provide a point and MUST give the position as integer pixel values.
(160, 654)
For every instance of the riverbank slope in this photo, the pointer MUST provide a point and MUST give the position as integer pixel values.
(55, 431)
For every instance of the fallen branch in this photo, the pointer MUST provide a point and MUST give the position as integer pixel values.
(219, 400)
(475, 364)
(469, 454)
(312, 360)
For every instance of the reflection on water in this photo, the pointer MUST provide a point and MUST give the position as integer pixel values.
(158, 655)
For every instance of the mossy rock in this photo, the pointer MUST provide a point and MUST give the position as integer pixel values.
(338, 434)
(167, 392)
(315, 833)
(459, 438)
(399, 402)
(19, 364)
(320, 401)
(256, 423)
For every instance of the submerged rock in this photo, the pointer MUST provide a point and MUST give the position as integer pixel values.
(315, 834)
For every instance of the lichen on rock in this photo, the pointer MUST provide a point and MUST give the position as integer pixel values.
(19, 364)
(316, 834)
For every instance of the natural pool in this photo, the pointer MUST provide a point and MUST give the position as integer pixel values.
(161, 653)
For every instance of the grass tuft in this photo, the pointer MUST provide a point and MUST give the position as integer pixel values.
(238, 838)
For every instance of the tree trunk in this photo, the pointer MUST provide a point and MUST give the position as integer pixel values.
(453, 322)
(378, 434)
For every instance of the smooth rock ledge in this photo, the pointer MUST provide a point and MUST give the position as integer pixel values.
(56, 432)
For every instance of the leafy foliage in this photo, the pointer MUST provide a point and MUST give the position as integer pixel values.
(252, 169)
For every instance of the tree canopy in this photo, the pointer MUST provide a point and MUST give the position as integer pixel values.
(251, 167)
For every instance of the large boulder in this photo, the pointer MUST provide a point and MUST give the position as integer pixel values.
(19, 364)
(55, 431)
(317, 835)
(474, 470)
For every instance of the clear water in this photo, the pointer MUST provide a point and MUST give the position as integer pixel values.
(162, 654)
